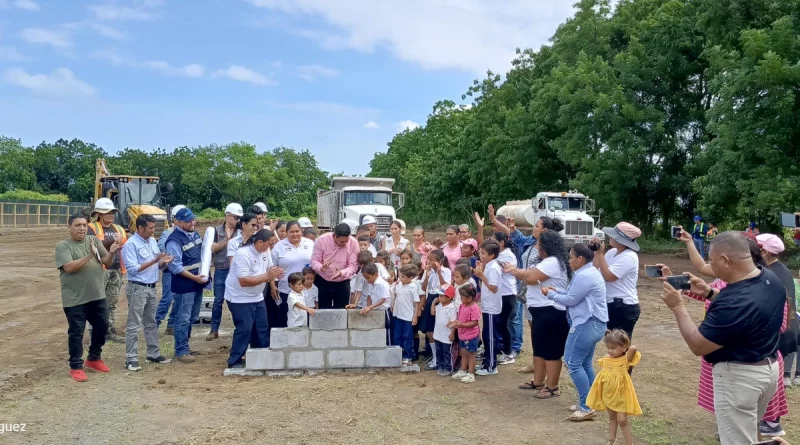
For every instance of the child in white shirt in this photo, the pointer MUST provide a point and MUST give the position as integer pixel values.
(310, 292)
(357, 298)
(377, 291)
(298, 311)
(406, 312)
(462, 276)
(490, 273)
(443, 336)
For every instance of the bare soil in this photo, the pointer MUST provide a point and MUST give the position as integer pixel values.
(195, 404)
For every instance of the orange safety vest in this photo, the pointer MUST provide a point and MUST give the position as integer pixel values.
(98, 232)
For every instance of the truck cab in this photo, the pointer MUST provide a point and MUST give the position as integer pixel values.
(349, 200)
(572, 209)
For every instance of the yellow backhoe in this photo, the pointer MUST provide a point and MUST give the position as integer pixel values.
(133, 196)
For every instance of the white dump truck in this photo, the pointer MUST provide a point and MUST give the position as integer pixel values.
(349, 200)
(572, 208)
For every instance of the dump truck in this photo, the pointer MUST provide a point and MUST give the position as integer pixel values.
(133, 196)
(572, 208)
(349, 200)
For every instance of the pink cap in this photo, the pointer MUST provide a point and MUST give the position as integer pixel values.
(771, 243)
(471, 242)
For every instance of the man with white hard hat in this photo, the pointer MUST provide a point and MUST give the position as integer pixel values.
(166, 278)
(374, 238)
(219, 256)
(260, 210)
(107, 232)
(308, 228)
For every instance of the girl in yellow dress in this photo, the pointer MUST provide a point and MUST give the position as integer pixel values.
(612, 389)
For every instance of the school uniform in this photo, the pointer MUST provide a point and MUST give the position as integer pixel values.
(376, 291)
(407, 296)
(492, 304)
(441, 336)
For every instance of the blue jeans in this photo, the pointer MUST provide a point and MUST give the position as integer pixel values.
(699, 244)
(578, 353)
(251, 329)
(219, 296)
(404, 337)
(516, 327)
(187, 309)
(166, 301)
(444, 360)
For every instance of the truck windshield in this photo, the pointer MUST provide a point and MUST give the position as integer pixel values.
(562, 203)
(150, 194)
(361, 198)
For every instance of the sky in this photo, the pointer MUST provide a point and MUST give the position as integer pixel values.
(336, 77)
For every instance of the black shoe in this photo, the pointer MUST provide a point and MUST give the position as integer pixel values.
(133, 366)
(160, 360)
(169, 331)
(239, 365)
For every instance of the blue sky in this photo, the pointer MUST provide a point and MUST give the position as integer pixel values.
(336, 77)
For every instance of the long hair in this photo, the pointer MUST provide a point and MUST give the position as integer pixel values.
(552, 244)
(502, 237)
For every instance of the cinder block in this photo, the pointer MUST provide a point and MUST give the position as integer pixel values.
(328, 320)
(373, 338)
(345, 358)
(306, 360)
(409, 368)
(375, 319)
(263, 359)
(242, 372)
(389, 357)
(288, 338)
(328, 339)
(284, 373)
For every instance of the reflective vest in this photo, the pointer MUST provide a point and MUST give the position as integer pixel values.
(699, 231)
(191, 248)
(123, 237)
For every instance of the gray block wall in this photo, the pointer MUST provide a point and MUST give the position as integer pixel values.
(336, 339)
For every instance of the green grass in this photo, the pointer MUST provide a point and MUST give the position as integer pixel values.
(658, 245)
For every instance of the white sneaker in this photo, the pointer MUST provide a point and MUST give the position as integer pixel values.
(506, 360)
(484, 371)
(469, 378)
(796, 380)
(459, 375)
(787, 382)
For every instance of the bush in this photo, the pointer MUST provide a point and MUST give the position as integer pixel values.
(27, 195)
(210, 214)
(659, 245)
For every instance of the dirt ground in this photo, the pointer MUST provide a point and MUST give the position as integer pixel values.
(195, 404)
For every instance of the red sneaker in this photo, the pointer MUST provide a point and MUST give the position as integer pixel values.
(97, 365)
(78, 375)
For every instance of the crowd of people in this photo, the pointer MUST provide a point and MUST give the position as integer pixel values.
(468, 296)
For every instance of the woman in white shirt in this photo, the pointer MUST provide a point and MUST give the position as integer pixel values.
(396, 243)
(247, 226)
(620, 268)
(250, 271)
(549, 326)
(508, 292)
(292, 254)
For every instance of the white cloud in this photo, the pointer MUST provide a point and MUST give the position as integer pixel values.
(113, 57)
(242, 74)
(371, 124)
(472, 35)
(192, 70)
(107, 31)
(111, 12)
(30, 5)
(312, 72)
(55, 38)
(61, 82)
(407, 125)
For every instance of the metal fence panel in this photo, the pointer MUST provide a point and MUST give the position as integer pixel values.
(16, 213)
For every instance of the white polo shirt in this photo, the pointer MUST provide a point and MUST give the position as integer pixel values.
(292, 259)
(407, 295)
(492, 302)
(377, 290)
(247, 262)
(508, 284)
(624, 266)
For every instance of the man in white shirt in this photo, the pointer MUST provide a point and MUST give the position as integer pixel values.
(490, 274)
(250, 271)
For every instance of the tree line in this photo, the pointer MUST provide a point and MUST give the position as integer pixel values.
(657, 109)
(203, 177)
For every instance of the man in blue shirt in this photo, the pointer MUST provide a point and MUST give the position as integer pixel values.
(699, 235)
(185, 245)
(143, 260)
(166, 280)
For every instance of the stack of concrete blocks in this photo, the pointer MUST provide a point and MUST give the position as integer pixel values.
(336, 340)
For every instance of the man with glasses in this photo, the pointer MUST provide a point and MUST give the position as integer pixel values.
(219, 255)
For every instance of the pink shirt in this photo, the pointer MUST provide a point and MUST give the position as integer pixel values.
(452, 255)
(341, 258)
(465, 315)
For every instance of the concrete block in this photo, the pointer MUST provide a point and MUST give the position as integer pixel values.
(263, 359)
(241, 372)
(389, 357)
(306, 360)
(375, 319)
(328, 320)
(373, 338)
(345, 358)
(360, 371)
(328, 339)
(409, 368)
(288, 338)
(284, 373)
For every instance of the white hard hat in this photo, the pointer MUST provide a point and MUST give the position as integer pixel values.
(234, 209)
(175, 209)
(262, 206)
(304, 223)
(104, 205)
(402, 226)
(369, 219)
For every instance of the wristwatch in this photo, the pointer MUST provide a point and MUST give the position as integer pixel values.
(710, 294)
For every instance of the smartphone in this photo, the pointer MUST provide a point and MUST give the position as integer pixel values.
(790, 220)
(679, 282)
(676, 231)
(653, 271)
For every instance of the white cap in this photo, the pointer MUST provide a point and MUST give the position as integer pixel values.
(103, 205)
(402, 226)
(304, 223)
(262, 206)
(369, 219)
(177, 208)
(234, 209)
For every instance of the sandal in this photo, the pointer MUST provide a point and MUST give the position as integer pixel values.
(530, 385)
(527, 369)
(550, 393)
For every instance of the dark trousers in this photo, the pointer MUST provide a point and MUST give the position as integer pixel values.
(444, 361)
(404, 337)
(332, 294)
(490, 333)
(96, 313)
(504, 328)
(623, 316)
(252, 328)
(277, 314)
